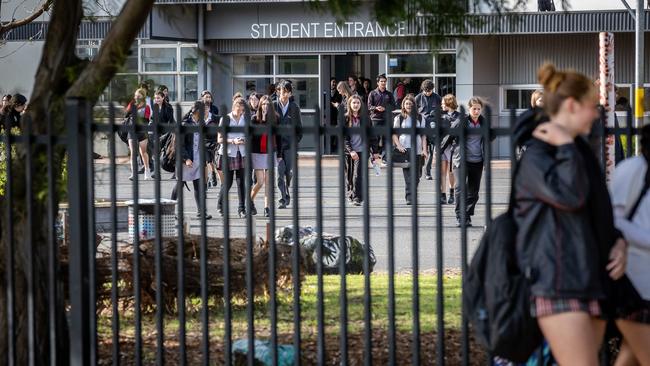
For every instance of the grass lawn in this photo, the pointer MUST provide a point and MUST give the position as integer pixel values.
(309, 302)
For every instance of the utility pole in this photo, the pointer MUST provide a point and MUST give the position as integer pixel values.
(639, 71)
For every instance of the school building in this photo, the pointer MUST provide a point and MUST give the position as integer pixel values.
(231, 45)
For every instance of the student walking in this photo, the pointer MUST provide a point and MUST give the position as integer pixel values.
(631, 202)
(190, 152)
(428, 103)
(289, 113)
(566, 240)
(13, 108)
(403, 145)
(380, 101)
(211, 117)
(235, 157)
(450, 116)
(474, 156)
(259, 153)
(354, 151)
(138, 141)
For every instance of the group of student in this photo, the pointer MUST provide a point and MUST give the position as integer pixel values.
(426, 108)
(279, 109)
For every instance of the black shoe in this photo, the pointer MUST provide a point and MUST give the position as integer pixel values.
(469, 221)
(443, 199)
(450, 201)
(356, 202)
(241, 213)
(220, 211)
(199, 216)
(253, 210)
(282, 205)
(428, 177)
(267, 212)
(408, 203)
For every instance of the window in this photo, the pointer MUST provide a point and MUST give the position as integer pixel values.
(252, 84)
(446, 63)
(298, 65)
(413, 69)
(517, 98)
(305, 92)
(410, 64)
(446, 85)
(158, 59)
(253, 65)
(189, 86)
(189, 59)
(154, 80)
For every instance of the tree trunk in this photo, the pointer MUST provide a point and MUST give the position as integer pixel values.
(60, 74)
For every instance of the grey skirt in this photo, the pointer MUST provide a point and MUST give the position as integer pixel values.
(260, 161)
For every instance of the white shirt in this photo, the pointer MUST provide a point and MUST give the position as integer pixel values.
(285, 108)
(626, 185)
(405, 139)
(232, 148)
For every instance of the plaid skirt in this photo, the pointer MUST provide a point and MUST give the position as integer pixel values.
(234, 163)
(544, 306)
(639, 316)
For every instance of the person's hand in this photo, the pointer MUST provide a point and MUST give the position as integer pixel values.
(552, 134)
(188, 163)
(617, 260)
(354, 155)
(376, 157)
(335, 104)
(380, 108)
(400, 148)
(425, 153)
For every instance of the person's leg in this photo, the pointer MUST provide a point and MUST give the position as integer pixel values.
(452, 179)
(145, 157)
(407, 184)
(474, 174)
(259, 174)
(457, 190)
(197, 194)
(226, 183)
(288, 159)
(625, 356)
(429, 162)
(574, 337)
(133, 149)
(282, 182)
(357, 182)
(174, 193)
(267, 188)
(637, 337)
(241, 188)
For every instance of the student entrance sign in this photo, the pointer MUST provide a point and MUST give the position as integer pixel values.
(325, 30)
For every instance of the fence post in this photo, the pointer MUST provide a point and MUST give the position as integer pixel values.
(78, 251)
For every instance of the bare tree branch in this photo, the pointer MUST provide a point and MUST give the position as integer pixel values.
(113, 52)
(13, 24)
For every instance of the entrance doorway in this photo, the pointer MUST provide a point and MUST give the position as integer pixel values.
(340, 68)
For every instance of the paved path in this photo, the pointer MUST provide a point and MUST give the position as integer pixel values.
(427, 222)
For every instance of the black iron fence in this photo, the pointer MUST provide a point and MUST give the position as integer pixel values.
(114, 306)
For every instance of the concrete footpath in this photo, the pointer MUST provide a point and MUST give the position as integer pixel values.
(354, 221)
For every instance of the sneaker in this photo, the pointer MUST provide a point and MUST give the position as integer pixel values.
(282, 205)
(377, 168)
(408, 203)
(428, 177)
(199, 216)
(131, 177)
(141, 170)
(443, 199)
(450, 201)
(267, 212)
(356, 202)
(147, 176)
(241, 213)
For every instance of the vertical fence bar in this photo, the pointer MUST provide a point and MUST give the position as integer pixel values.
(628, 129)
(296, 245)
(367, 296)
(487, 144)
(52, 247)
(134, 143)
(250, 288)
(180, 251)
(226, 243)
(90, 201)
(160, 330)
(203, 216)
(343, 299)
(9, 253)
(414, 166)
(440, 301)
(461, 214)
(115, 319)
(77, 193)
(388, 146)
(29, 243)
(320, 357)
(271, 142)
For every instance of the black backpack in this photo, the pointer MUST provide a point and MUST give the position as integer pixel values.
(496, 294)
(168, 152)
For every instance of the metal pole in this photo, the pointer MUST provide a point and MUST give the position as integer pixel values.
(638, 75)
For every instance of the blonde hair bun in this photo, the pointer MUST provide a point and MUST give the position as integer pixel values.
(550, 77)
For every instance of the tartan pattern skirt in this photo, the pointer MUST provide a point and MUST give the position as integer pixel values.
(544, 306)
(639, 316)
(234, 163)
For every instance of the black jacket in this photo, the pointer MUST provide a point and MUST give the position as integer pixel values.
(565, 221)
(187, 151)
(165, 114)
(378, 98)
(447, 121)
(290, 119)
(428, 107)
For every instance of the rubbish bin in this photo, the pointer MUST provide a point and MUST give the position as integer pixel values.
(147, 218)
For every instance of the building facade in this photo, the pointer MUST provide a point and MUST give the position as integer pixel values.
(233, 46)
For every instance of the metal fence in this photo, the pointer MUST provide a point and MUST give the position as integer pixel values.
(81, 305)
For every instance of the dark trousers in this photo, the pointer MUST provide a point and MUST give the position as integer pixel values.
(239, 176)
(407, 175)
(378, 143)
(195, 185)
(353, 178)
(285, 173)
(430, 157)
(472, 183)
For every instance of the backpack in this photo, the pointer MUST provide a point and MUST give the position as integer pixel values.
(168, 152)
(496, 294)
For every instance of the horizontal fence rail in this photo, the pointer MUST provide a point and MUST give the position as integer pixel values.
(176, 286)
